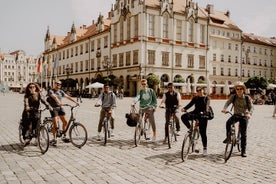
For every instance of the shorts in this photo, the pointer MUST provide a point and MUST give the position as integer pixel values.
(57, 111)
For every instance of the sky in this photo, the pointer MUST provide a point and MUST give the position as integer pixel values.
(23, 23)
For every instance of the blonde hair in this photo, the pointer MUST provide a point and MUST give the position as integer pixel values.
(144, 80)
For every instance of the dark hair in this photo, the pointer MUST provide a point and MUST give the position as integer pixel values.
(170, 84)
(27, 92)
(106, 84)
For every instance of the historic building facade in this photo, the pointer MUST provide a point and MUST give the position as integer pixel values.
(17, 70)
(172, 39)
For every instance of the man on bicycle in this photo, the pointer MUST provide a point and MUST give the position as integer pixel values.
(201, 103)
(243, 109)
(55, 97)
(148, 104)
(172, 101)
(107, 100)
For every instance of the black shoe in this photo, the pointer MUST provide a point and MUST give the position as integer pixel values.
(65, 139)
(243, 154)
(226, 140)
(27, 142)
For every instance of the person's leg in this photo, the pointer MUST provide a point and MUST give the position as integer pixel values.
(152, 122)
(243, 130)
(185, 119)
(202, 131)
(177, 123)
(102, 114)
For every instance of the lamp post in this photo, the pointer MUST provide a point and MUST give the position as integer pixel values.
(68, 70)
(108, 65)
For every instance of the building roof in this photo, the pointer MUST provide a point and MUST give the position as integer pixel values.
(252, 38)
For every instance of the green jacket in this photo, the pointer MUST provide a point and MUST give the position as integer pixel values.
(147, 98)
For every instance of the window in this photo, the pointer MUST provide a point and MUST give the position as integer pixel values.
(114, 60)
(98, 44)
(67, 53)
(190, 31)
(128, 58)
(105, 42)
(135, 57)
(201, 62)
(214, 71)
(165, 26)
(178, 59)
(202, 33)
(92, 45)
(151, 57)
(214, 57)
(222, 58)
(76, 50)
(221, 71)
(72, 52)
(165, 58)
(99, 63)
(229, 46)
(236, 72)
(229, 71)
(236, 59)
(128, 27)
(151, 25)
(136, 26)
(190, 61)
(121, 59)
(81, 66)
(229, 59)
(115, 33)
(178, 29)
(86, 47)
(236, 47)
(86, 65)
(76, 67)
(121, 29)
(81, 49)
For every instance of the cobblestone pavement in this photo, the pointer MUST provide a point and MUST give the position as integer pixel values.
(121, 162)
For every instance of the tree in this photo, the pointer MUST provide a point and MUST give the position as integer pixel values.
(256, 82)
(153, 80)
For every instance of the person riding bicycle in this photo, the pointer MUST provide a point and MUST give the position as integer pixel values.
(55, 96)
(172, 101)
(30, 115)
(201, 103)
(148, 104)
(243, 109)
(107, 100)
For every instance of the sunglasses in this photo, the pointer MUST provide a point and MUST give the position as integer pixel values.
(30, 87)
(198, 90)
(143, 84)
(58, 84)
(239, 89)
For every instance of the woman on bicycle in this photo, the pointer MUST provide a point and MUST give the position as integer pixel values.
(243, 109)
(148, 104)
(30, 115)
(201, 103)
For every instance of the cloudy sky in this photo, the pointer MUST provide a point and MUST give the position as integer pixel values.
(23, 23)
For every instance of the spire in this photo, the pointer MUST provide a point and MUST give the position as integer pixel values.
(73, 29)
(47, 37)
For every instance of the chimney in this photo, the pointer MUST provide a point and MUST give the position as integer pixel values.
(210, 8)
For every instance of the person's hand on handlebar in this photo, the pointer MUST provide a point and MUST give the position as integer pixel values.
(223, 111)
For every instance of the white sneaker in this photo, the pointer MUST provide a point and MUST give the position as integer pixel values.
(98, 137)
(177, 133)
(35, 142)
(111, 133)
(153, 139)
(204, 152)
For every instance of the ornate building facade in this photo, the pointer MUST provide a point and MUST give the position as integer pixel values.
(173, 39)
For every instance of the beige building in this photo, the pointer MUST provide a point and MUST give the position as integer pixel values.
(17, 70)
(172, 39)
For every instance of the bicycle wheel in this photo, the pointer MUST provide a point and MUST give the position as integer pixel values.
(137, 134)
(43, 139)
(195, 137)
(105, 131)
(20, 129)
(228, 149)
(185, 147)
(169, 134)
(78, 135)
(49, 126)
(238, 141)
(174, 131)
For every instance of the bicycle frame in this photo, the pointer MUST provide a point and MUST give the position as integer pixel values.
(106, 125)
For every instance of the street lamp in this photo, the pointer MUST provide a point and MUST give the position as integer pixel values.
(108, 65)
(68, 70)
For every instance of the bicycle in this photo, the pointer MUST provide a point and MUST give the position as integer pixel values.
(171, 126)
(233, 139)
(77, 131)
(142, 127)
(41, 132)
(106, 125)
(190, 140)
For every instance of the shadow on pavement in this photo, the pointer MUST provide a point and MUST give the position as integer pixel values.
(30, 150)
(169, 158)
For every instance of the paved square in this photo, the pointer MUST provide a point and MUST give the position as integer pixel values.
(121, 162)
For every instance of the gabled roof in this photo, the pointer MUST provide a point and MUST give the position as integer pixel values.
(251, 38)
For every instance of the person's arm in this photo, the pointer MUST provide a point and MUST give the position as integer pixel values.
(178, 99)
(70, 98)
(190, 104)
(163, 100)
(113, 100)
(228, 102)
(99, 101)
(154, 99)
(26, 103)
